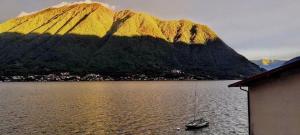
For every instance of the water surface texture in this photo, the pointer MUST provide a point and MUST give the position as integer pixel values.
(130, 108)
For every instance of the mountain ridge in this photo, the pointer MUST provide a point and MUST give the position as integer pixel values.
(127, 22)
(269, 64)
(91, 38)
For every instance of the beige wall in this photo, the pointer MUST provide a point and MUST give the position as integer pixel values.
(275, 106)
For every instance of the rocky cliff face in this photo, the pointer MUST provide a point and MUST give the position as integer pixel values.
(93, 38)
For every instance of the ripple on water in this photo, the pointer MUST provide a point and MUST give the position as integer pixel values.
(121, 108)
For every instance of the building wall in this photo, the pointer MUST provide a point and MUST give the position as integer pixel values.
(275, 106)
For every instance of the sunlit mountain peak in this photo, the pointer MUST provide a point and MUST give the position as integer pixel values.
(266, 61)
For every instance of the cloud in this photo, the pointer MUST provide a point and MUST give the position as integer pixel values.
(62, 4)
(23, 13)
(82, 2)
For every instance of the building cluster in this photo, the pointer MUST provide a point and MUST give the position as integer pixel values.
(66, 76)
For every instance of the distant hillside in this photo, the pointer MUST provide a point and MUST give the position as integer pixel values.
(91, 38)
(293, 60)
(269, 64)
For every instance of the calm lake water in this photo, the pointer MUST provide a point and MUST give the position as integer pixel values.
(130, 108)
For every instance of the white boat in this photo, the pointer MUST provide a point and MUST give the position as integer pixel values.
(196, 123)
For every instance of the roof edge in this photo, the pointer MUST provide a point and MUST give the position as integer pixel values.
(266, 74)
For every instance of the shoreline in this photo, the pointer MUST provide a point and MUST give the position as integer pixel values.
(103, 78)
(117, 81)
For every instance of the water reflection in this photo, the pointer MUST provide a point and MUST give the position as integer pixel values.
(120, 108)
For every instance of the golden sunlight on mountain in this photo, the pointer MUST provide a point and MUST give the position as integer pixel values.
(266, 61)
(91, 37)
(99, 20)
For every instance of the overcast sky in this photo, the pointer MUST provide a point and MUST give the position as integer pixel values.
(254, 28)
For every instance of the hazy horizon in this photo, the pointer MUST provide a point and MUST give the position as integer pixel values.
(255, 29)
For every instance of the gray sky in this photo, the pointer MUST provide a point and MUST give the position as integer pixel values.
(254, 28)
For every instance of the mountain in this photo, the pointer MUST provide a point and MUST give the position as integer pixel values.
(292, 60)
(91, 38)
(269, 64)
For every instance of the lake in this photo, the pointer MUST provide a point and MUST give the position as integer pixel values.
(130, 108)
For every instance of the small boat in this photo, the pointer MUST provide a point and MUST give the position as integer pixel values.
(197, 124)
